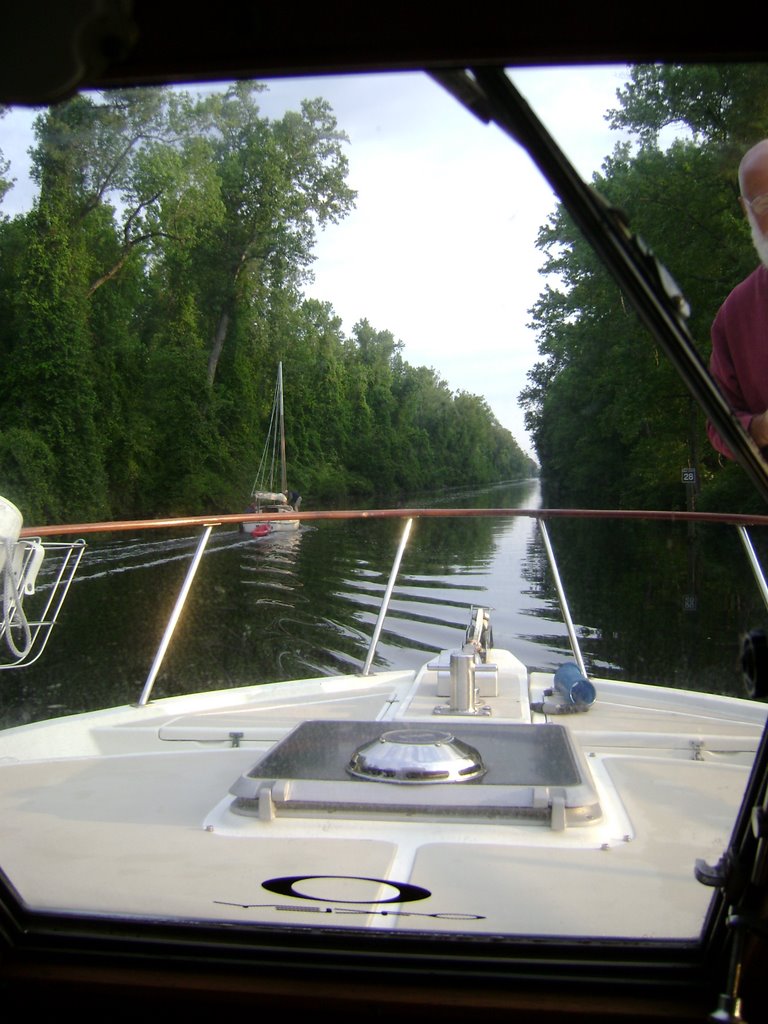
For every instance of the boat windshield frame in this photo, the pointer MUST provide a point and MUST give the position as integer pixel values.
(632, 967)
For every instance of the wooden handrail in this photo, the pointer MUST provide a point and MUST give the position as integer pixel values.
(729, 518)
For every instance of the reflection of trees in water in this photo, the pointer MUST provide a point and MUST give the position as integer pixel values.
(655, 602)
(535, 570)
(305, 604)
(445, 546)
(511, 494)
(350, 563)
(102, 647)
(312, 610)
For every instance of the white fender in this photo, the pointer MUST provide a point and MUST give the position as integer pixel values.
(19, 564)
(10, 527)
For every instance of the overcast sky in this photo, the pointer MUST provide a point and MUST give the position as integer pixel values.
(440, 249)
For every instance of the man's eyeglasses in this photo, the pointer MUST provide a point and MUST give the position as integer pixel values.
(758, 205)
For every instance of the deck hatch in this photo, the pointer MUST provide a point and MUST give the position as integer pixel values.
(414, 756)
(526, 773)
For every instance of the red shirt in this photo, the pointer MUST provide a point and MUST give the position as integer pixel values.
(739, 361)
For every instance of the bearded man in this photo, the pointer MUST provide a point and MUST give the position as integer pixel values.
(739, 360)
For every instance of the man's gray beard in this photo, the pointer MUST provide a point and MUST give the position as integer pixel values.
(759, 240)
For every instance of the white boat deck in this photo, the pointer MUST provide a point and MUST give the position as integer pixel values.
(130, 812)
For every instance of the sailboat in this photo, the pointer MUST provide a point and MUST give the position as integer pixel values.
(264, 497)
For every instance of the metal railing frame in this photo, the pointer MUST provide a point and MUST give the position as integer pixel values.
(740, 521)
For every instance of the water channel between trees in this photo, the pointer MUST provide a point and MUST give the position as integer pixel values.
(653, 602)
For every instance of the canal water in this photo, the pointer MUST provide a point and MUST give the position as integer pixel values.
(653, 602)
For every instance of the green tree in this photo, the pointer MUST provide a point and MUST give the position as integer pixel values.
(279, 180)
(146, 301)
(137, 154)
(48, 387)
(610, 420)
(725, 105)
(5, 183)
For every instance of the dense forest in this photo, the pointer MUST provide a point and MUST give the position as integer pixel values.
(611, 422)
(149, 294)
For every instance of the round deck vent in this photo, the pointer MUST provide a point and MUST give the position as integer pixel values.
(416, 755)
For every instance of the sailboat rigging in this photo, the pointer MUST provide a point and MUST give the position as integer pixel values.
(264, 497)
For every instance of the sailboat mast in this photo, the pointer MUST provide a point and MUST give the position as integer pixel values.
(283, 470)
